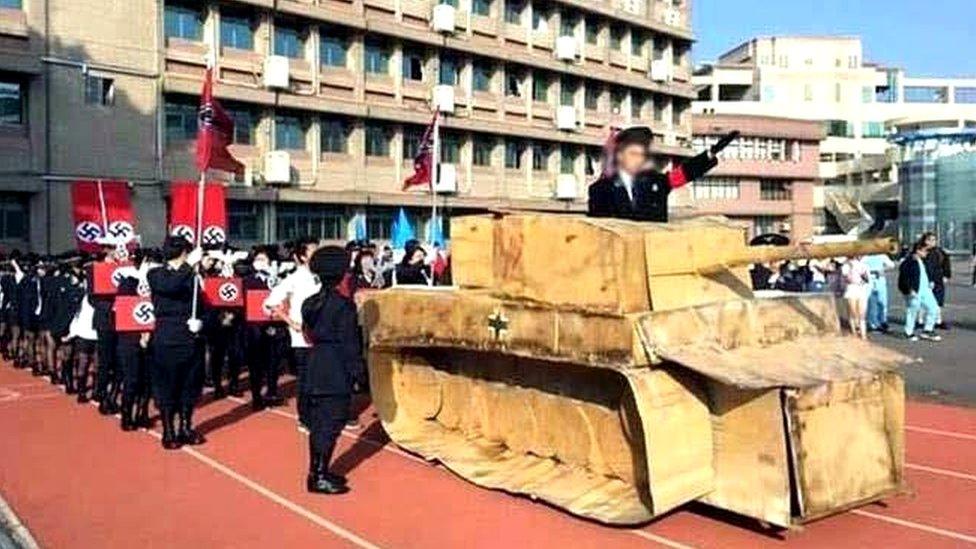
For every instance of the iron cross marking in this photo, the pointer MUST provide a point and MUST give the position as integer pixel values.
(497, 324)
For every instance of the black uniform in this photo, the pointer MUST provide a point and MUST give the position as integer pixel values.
(609, 198)
(225, 334)
(108, 377)
(335, 364)
(266, 344)
(177, 375)
(133, 361)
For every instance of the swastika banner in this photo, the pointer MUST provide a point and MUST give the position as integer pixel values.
(106, 277)
(223, 292)
(183, 213)
(254, 306)
(102, 208)
(134, 313)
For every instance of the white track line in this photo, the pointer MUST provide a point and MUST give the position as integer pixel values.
(660, 539)
(273, 496)
(944, 472)
(952, 434)
(916, 526)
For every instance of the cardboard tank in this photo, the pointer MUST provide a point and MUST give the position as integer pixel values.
(618, 370)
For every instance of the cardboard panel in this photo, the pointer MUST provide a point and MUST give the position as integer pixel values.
(472, 246)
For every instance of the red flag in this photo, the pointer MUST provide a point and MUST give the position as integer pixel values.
(223, 292)
(102, 208)
(105, 277)
(422, 163)
(215, 132)
(183, 212)
(254, 306)
(134, 313)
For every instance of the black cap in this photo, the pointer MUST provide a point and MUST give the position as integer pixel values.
(637, 135)
(330, 264)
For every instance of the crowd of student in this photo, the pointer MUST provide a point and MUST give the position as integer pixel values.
(923, 272)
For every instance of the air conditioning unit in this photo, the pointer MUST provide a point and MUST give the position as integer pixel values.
(276, 70)
(443, 98)
(566, 48)
(566, 187)
(661, 70)
(443, 18)
(566, 118)
(277, 167)
(447, 180)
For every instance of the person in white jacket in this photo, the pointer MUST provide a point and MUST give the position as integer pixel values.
(285, 303)
(83, 337)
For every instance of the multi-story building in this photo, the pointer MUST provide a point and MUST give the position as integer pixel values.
(825, 78)
(765, 178)
(330, 98)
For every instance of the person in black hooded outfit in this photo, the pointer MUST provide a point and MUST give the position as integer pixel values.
(335, 366)
(177, 348)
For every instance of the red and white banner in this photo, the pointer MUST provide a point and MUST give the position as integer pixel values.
(102, 208)
(223, 292)
(215, 133)
(134, 313)
(107, 276)
(183, 212)
(254, 310)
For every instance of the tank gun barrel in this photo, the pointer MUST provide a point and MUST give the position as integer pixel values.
(768, 254)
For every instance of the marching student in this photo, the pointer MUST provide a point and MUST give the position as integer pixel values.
(132, 349)
(64, 299)
(225, 334)
(177, 348)
(265, 342)
(294, 290)
(107, 377)
(335, 365)
(84, 339)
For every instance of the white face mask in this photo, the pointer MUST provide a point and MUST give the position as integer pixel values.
(260, 265)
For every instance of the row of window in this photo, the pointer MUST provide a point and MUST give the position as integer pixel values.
(726, 188)
(753, 148)
(12, 4)
(14, 218)
(247, 220)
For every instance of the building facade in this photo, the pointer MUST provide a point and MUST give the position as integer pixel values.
(339, 91)
(766, 178)
(826, 78)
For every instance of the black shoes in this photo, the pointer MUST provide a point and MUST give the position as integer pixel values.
(272, 401)
(188, 435)
(170, 440)
(320, 480)
(320, 484)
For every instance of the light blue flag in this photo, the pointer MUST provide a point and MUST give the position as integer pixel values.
(402, 230)
(435, 231)
(360, 227)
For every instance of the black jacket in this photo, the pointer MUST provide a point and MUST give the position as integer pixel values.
(909, 276)
(938, 266)
(609, 198)
(172, 296)
(336, 360)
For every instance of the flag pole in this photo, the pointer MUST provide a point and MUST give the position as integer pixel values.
(435, 178)
(196, 237)
(101, 205)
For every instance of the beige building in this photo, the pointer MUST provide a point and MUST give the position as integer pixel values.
(330, 98)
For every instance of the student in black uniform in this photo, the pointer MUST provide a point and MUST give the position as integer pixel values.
(265, 342)
(7, 285)
(225, 339)
(132, 349)
(108, 377)
(63, 301)
(177, 375)
(635, 192)
(11, 303)
(29, 289)
(335, 366)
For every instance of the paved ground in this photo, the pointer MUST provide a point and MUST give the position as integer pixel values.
(946, 371)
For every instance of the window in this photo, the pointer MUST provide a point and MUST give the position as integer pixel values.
(289, 133)
(617, 101)
(413, 66)
(567, 92)
(379, 223)
(181, 118)
(715, 188)
(14, 218)
(289, 42)
(540, 157)
(333, 47)
(12, 4)
(12, 102)
(872, 129)
(965, 95)
(540, 18)
(245, 220)
(567, 159)
(592, 31)
(808, 92)
(660, 103)
(450, 73)
(513, 11)
(481, 74)
(513, 82)
(867, 94)
(567, 25)
(377, 140)
(377, 57)
(483, 147)
(481, 7)
(637, 43)
(307, 220)
(636, 105)
(99, 90)
(540, 87)
(236, 31)
(926, 94)
(412, 136)
(839, 128)
(244, 123)
(592, 96)
(775, 190)
(769, 94)
(450, 148)
(514, 151)
(335, 135)
(617, 37)
(183, 22)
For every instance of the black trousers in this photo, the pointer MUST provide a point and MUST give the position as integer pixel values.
(226, 348)
(940, 294)
(108, 372)
(177, 374)
(326, 417)
(301, 367)
(134, 363)
(265, 348)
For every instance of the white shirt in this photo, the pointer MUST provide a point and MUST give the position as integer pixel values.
(82, 324)
(628, 182)
(295, 289)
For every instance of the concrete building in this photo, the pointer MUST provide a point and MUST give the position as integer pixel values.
(340, 90)
(766, 178)
(826, 78)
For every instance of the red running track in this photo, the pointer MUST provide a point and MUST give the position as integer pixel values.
(76, 480)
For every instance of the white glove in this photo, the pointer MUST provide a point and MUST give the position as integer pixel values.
(195, 256)
(195, 325)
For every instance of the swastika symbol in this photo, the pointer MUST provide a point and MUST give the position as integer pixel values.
(117, 276)
(88, 231)
(227, 291)
(213, 235)
(143, 289)
(183, 230)
(144, 313)
(121, 229)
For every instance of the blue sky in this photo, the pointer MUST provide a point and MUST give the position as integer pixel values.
(925, 37)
